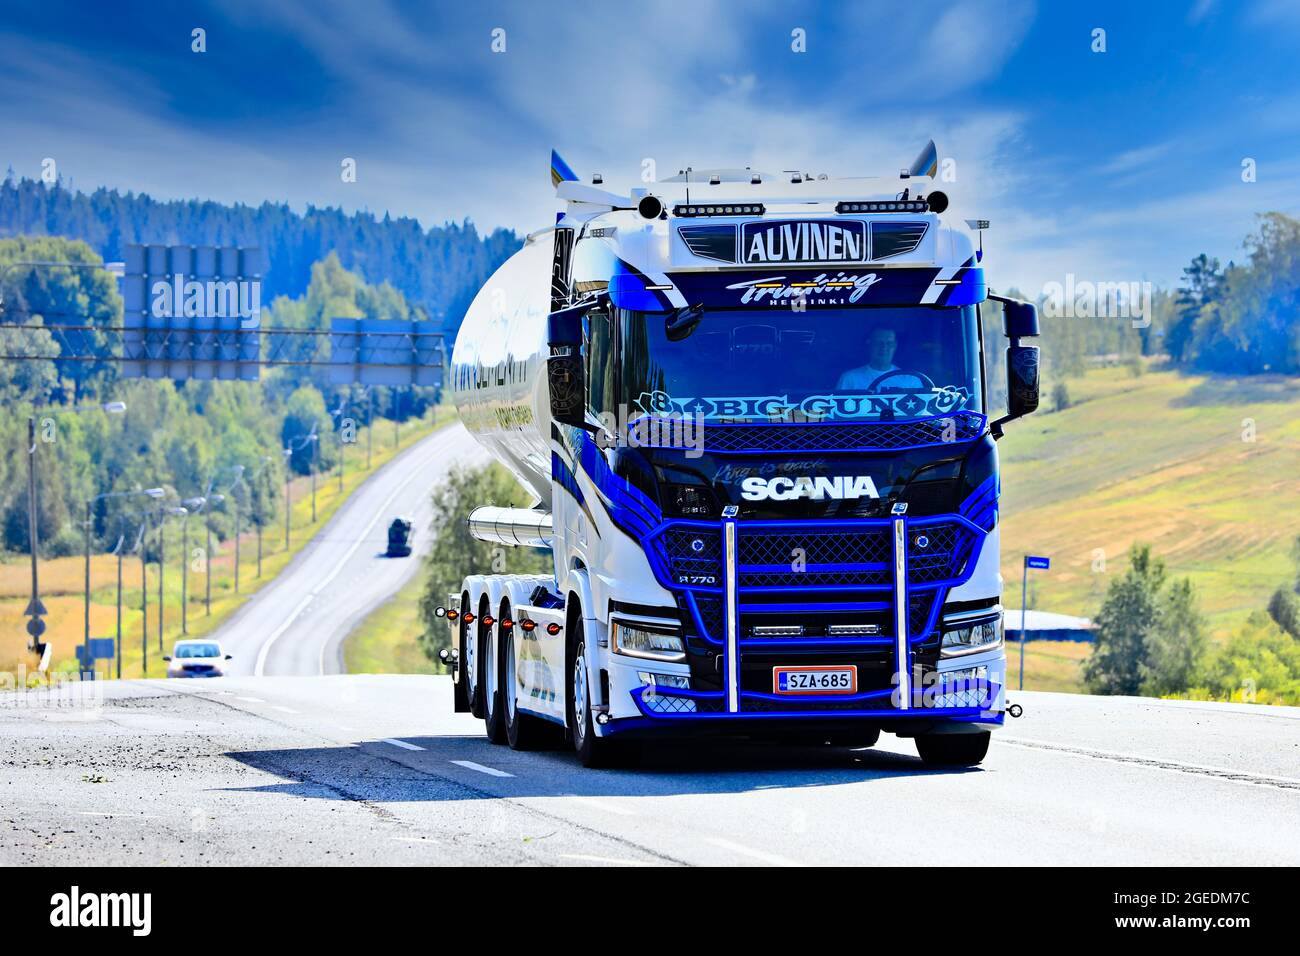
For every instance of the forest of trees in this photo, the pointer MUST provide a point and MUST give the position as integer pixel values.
(1152, 641)
(456, 554)
(1239, 320)
(1243, 319)
(439, 269)
(178, 436)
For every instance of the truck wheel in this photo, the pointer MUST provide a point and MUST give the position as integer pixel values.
(523, 731)
(464, 686)
(471, 669)
(490, 670)
(592, 751)
(953, 750)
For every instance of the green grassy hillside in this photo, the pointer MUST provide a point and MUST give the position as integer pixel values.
(1205, 470)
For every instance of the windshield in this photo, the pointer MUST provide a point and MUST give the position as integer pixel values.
(785, 365)
(197, 650)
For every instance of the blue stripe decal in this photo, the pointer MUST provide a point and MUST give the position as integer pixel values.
(971, 291)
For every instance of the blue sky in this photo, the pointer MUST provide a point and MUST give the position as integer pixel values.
(1115, 166)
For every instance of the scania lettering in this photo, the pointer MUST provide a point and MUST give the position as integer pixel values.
(784, 489)
(816, 557)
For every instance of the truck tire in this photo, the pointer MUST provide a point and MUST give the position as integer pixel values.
(490, 671)
(523, 731)
(592, 751)
(463, 693)
(953, 750)
(469, 662)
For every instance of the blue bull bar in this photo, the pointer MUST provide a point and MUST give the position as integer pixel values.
(970, 702)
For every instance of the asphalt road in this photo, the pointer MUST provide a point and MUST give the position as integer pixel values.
(297, 623)
(377, 769)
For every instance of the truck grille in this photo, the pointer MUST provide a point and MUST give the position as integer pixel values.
(824, 437)
(811, 557)
(816, 622)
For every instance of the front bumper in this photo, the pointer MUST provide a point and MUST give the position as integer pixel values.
(977, 701)
(902, 686)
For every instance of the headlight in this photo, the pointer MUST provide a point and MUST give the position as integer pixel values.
(972, 637)
(640, 640)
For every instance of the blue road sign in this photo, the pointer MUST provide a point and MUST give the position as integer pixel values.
(1036, 561)
(101, 648)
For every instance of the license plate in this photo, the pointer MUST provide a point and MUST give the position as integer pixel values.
(814, 680)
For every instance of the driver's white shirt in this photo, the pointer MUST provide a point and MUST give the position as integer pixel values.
(861, 378)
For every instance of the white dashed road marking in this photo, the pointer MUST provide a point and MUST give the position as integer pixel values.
(402, 743)
(610, 860)
(742, 850)
(602, 805)
(490, 771)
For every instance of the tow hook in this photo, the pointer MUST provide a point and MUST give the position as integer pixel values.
(1015, 710)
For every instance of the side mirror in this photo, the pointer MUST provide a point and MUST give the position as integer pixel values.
(1019, 319)
(566, 378)
(230, 657)
(167, 658)
(568, 386)
(1022, 380)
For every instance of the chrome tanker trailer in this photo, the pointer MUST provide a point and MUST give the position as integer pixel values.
(752, 411)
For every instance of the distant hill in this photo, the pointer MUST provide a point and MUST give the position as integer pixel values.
(440, 268)
(1202, 468)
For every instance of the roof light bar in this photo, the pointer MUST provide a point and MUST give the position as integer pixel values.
(686, 210)
(891, 205)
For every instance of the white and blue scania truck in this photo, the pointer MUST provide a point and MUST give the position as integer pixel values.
(753, 411)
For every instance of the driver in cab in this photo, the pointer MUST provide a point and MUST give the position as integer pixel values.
(882, 343)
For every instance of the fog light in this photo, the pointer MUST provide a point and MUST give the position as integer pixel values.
(965, 675)
(641, 640)
(968, 639)
(651, 680)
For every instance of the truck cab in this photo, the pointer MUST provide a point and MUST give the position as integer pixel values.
(773, 480)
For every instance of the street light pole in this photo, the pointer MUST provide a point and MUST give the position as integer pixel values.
(152, 493)
(144, 591)
(118, 646)
(233, 490)
(1042, 564)
(1024, 603)
(288, 452)
(315, 463)
(236, 497)
(85, 644)
(35, 609)
(259, 512)
(207, 556)
(185, 574)
(162, 568)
